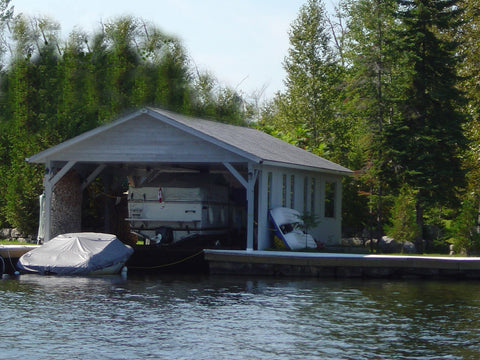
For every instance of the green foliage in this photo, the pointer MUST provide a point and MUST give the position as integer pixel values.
(423, 147)
(404, 224)
(308, 221)
(306, 112)
(465, 228)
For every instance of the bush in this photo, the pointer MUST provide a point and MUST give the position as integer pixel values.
(465, 236)
(404, 225)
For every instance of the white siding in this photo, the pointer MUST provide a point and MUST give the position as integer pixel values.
(329, 229)
(146, 140)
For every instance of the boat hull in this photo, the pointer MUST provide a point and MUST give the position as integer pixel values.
(151, 258)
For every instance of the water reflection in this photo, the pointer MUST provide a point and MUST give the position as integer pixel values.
(187, 317)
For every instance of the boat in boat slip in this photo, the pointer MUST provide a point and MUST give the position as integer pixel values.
(77, 254)
(169, 209)
(288, 227)
(176, 216)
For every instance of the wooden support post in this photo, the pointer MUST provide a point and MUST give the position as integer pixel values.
(252, 178)
(249, 185)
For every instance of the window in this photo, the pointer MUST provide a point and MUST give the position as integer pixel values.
(284, 190)
(269, 190)
(330, 190)
(292, 191)
(305, 194)
(312, 196)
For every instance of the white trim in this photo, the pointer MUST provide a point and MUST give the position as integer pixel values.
(236, 174)
(62, 172)
(252, 178)
(93, 176)
(278, 164)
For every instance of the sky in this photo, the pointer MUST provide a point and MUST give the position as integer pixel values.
(242, 43)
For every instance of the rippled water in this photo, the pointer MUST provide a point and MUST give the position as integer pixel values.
(210, 317)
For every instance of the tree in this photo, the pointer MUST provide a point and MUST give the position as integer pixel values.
(466, 237)
(404, 225)
(423, 146)
(371, 91)
(308, 105)
(470, 72)
(6, 14)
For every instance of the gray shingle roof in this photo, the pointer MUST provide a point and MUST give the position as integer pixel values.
(249, 143)
(260, 145)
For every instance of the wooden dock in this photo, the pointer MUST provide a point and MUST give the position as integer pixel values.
(306, 264)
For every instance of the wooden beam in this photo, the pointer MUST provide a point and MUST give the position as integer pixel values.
(252, 178)
(93, 176)
(47, 185)
(62, 172)
(236, 174)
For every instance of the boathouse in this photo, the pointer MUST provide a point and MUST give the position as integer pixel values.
(266, 171)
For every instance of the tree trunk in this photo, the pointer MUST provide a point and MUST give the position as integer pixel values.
(419, 240)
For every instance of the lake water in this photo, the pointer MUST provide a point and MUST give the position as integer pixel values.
(211, 317)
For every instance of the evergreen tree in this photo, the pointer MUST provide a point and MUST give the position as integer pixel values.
(404, 225)
(424, 145)
(371, 92)
(470, 72)
(307, 109)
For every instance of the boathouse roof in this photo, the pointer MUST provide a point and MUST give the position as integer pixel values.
(154, 135)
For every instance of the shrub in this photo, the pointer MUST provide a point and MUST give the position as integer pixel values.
(404, 225)
(465, 235)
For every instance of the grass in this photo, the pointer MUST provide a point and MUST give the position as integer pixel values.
(12, 242)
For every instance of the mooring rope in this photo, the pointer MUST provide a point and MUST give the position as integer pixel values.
(3, 267)
(166, 265)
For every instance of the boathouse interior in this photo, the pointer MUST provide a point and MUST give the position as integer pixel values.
(262, 172)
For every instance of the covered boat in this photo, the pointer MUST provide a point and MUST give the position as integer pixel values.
(77, 254)
(289, 232)
(172, 208)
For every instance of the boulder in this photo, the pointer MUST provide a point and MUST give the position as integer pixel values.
(409, 248)
(15, 234)
(5, 233)
(352, 242)
(389, 245)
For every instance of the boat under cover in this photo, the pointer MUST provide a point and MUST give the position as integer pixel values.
(289, 229)
(84, 253)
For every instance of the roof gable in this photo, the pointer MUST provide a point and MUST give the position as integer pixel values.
(155, 135)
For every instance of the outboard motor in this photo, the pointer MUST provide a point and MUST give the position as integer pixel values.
(165, 234)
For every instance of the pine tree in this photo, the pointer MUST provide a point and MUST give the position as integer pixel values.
(372, 90)
(308, 105)
(424, 145)
(470, 72)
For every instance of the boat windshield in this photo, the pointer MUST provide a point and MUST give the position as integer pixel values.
(288, 228)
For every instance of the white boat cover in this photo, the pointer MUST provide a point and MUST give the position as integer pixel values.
(76, 254)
